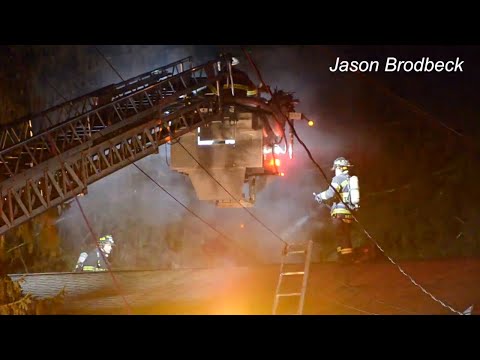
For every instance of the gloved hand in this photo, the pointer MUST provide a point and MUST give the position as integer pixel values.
(317, 198)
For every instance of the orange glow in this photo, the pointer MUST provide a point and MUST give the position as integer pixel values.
(242, 226)
(310, 123)
(282, 174)
(230, 308)
(277, 162)
(168, 138)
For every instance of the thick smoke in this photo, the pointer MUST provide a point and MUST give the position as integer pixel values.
(153, 230)
(286, 206)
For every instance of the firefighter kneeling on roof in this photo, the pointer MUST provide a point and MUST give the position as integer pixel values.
(347, 187)
(97, 259)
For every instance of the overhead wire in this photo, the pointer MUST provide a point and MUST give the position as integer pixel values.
(166, 191)
(233, 197)
(87, 222)
(83, 213)
(92, 232)
(188, 209)
(326, 179)
(339, 195)
(206, 171)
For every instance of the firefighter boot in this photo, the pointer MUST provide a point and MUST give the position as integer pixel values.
(345, 255)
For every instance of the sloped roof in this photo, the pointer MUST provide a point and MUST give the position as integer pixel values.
(374, 288)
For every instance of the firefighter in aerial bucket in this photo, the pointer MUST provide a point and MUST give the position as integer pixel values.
(346, 186)
(242, 84)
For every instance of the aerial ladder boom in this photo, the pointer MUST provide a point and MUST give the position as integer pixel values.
(42, 170)
(49, 158)
(24, 128)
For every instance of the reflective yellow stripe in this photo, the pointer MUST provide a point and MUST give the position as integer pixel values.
(344, 183)
(346, 251)
(213, 89)
(92, 268)
(341, 211)
(250, 92)
(237, 86)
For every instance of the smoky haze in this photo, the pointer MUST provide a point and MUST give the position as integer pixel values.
(151, 229)
(287, 205)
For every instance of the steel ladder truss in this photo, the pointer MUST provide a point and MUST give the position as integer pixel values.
(24, 128)
(58, 163)
(295, 275)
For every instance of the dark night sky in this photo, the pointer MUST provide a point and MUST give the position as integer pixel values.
(346, 107)
(451, 96)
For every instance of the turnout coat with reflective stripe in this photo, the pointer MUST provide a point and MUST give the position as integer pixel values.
(342, 185)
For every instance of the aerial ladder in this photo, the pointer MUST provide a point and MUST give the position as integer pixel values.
(48, 158)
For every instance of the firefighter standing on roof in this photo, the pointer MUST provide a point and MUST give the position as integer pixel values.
(341, 215)
(97, 259)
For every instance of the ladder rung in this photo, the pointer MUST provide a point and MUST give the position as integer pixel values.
(290, 294)
(296, 252)
(293, 273)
